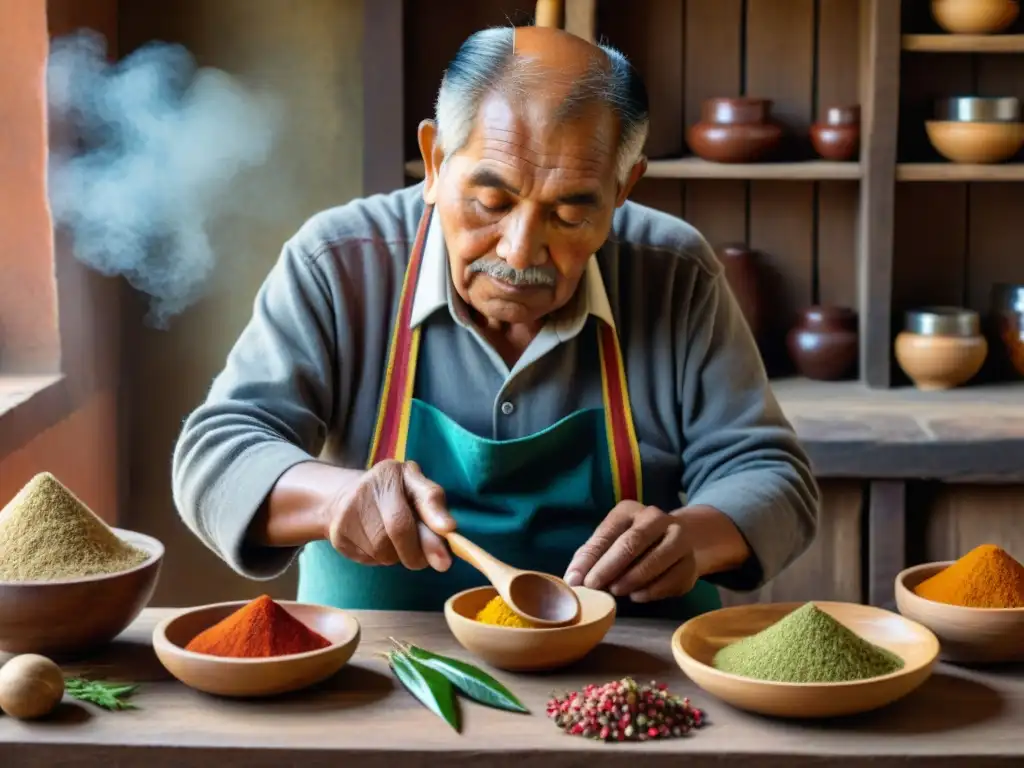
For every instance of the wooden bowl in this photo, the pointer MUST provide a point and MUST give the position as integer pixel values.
(970, 635)
(72, 616)
(518, 649)
(248, 678)
(696, 642)
(975, 17)
(970, 142)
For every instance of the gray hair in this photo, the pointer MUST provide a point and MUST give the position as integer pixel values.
(486, 62)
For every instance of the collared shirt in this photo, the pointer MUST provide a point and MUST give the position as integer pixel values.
(304, 378)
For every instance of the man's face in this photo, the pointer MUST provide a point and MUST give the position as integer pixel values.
(524, 204)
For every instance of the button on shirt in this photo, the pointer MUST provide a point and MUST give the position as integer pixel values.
(304, 379)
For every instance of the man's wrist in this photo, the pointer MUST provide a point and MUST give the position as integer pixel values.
(298, 509)
(717, 543)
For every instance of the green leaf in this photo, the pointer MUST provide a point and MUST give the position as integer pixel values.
(472, 681)
(429, 686)
(108, 696)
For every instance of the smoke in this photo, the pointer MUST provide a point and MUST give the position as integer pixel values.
(158, 142)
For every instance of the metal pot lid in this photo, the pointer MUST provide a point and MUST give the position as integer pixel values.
(943, 321)
(978, 109)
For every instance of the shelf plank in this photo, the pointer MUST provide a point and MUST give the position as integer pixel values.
(964, 43)
(959, 172)
(968, 434)
(695, 168)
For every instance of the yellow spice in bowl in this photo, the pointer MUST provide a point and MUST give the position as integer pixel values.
(498, 613)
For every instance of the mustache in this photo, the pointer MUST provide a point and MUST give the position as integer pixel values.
(499, 270)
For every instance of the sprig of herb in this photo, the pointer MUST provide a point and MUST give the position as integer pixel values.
(110, 696)
(470, 680)
(428, 685)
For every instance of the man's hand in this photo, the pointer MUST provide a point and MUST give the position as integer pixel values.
(637, 551)
(393, 514)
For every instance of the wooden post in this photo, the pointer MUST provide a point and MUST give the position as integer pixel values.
(879, 84)
(548, 14)
(887, 539)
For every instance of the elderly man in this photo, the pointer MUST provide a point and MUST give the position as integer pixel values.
(510, 348)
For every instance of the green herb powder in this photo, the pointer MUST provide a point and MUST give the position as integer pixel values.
(807, 646)
(46, 534)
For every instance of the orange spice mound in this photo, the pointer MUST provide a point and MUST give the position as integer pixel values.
(258, 629)
(986, 577)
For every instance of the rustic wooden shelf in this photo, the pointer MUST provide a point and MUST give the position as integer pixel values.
(969, 434)
(964, 43)
(959, 172)
(695, 168)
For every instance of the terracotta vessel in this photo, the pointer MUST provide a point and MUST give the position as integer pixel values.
(823, 343)
(736, 130)
(741, 272)
(975, 17)
(837, 135)
(1008, 313)
(941, 347)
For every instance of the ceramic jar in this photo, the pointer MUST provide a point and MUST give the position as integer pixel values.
(736, 130)
(741, 272)
(823, 343)
(837, 135)
(1008, 314)
(941, 347)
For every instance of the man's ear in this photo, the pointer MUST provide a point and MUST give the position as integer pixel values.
(638, 170)
(433, 155)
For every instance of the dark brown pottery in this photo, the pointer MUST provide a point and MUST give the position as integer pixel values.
(735, 131)
(823, 343)
(837, 135)
(1008, 312)
(741, 272)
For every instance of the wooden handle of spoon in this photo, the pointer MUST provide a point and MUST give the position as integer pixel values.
(490, 566)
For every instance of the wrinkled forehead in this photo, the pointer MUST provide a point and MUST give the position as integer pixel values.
(534, 137)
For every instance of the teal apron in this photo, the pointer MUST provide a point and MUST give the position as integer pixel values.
(531, 502)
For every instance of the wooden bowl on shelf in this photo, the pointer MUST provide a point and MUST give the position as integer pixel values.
(975, 142)
(696, 642)
(969, 635)
(975, 17)
(518, 649)
(250, 678)
(73, 616)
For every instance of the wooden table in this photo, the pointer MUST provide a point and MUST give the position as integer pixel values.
(363, 717)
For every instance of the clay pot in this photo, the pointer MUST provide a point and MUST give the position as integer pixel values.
(941, 347)
(823, 343)
(735, 131)
(741, 272)
(837, 136)
(1008, 313)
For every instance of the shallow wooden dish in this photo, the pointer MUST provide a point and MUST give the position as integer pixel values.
(968, 142)
(529, 650)
(970, 635)
(974, 17)
(73, 616)
(249, 678)
(696, 642)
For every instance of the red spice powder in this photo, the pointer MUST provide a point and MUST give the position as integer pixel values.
(261, 628)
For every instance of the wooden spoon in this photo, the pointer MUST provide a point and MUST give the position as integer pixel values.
(540, 598)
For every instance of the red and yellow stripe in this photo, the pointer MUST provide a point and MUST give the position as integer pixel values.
(392, 432)
(623, 449)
